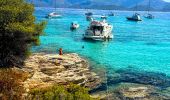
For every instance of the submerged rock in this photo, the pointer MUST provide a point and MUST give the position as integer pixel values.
(147, 78)
(132, 91)
(134, 85)
(129, 91)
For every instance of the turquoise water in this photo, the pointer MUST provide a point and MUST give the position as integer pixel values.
(143, 46)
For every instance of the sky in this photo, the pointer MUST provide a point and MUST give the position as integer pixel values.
(167, 0)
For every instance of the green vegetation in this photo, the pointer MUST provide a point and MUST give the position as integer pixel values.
(11, 84)
(11, 88)
(59, 92)
(18, 31)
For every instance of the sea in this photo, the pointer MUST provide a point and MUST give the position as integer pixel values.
(141, 47)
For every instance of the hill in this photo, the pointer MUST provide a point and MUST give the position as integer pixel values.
(109, 4)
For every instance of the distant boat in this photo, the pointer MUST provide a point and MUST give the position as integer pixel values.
(135, 16)
(149, 16)
(103, 17)
(74, 26)
(99, 30)
(54, 14)
(89, 16)
(111, 14)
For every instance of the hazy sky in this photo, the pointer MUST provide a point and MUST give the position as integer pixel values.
(167, 0)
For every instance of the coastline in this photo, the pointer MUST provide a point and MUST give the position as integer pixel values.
(45, 70)
(49, 69)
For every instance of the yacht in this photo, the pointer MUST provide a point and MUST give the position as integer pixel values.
(53, 15)
(98, 30)
(135, 17)
(74, 25)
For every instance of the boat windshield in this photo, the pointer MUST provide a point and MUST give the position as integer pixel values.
(99, 28)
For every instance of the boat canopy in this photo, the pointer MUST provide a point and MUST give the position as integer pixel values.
(98, 23)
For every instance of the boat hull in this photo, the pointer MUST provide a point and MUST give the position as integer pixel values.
(149, 17)
(98, 37)
(74, 27)
(58, 16)
(132, 19)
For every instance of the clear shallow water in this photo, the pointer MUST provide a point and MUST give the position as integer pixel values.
(142, 46)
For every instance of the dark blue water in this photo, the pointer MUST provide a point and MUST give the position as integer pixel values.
(142, 46)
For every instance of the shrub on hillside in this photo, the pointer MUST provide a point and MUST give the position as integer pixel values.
(59, 92)
(11, 87)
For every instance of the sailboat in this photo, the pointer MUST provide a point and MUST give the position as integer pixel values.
(135, 16)
(149, 16)
(54, 14)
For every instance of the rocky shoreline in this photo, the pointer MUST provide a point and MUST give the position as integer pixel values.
(47, 69)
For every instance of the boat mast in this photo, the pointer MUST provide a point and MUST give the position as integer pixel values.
(136, 8)
(149, 4)
(55, 5)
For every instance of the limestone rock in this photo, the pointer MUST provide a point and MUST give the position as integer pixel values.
(48, 69)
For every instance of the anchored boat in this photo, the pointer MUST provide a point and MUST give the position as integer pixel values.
(111, 14)
(74, 26)
(54, 15)
(99, 30)
(149, 16)
(104, 17)
(89, 16)
(135, 17)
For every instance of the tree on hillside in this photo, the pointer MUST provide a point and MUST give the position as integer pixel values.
(18, 31)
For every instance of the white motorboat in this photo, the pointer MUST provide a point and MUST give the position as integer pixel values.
(74, 25)
(54, 15)
(99, 30)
